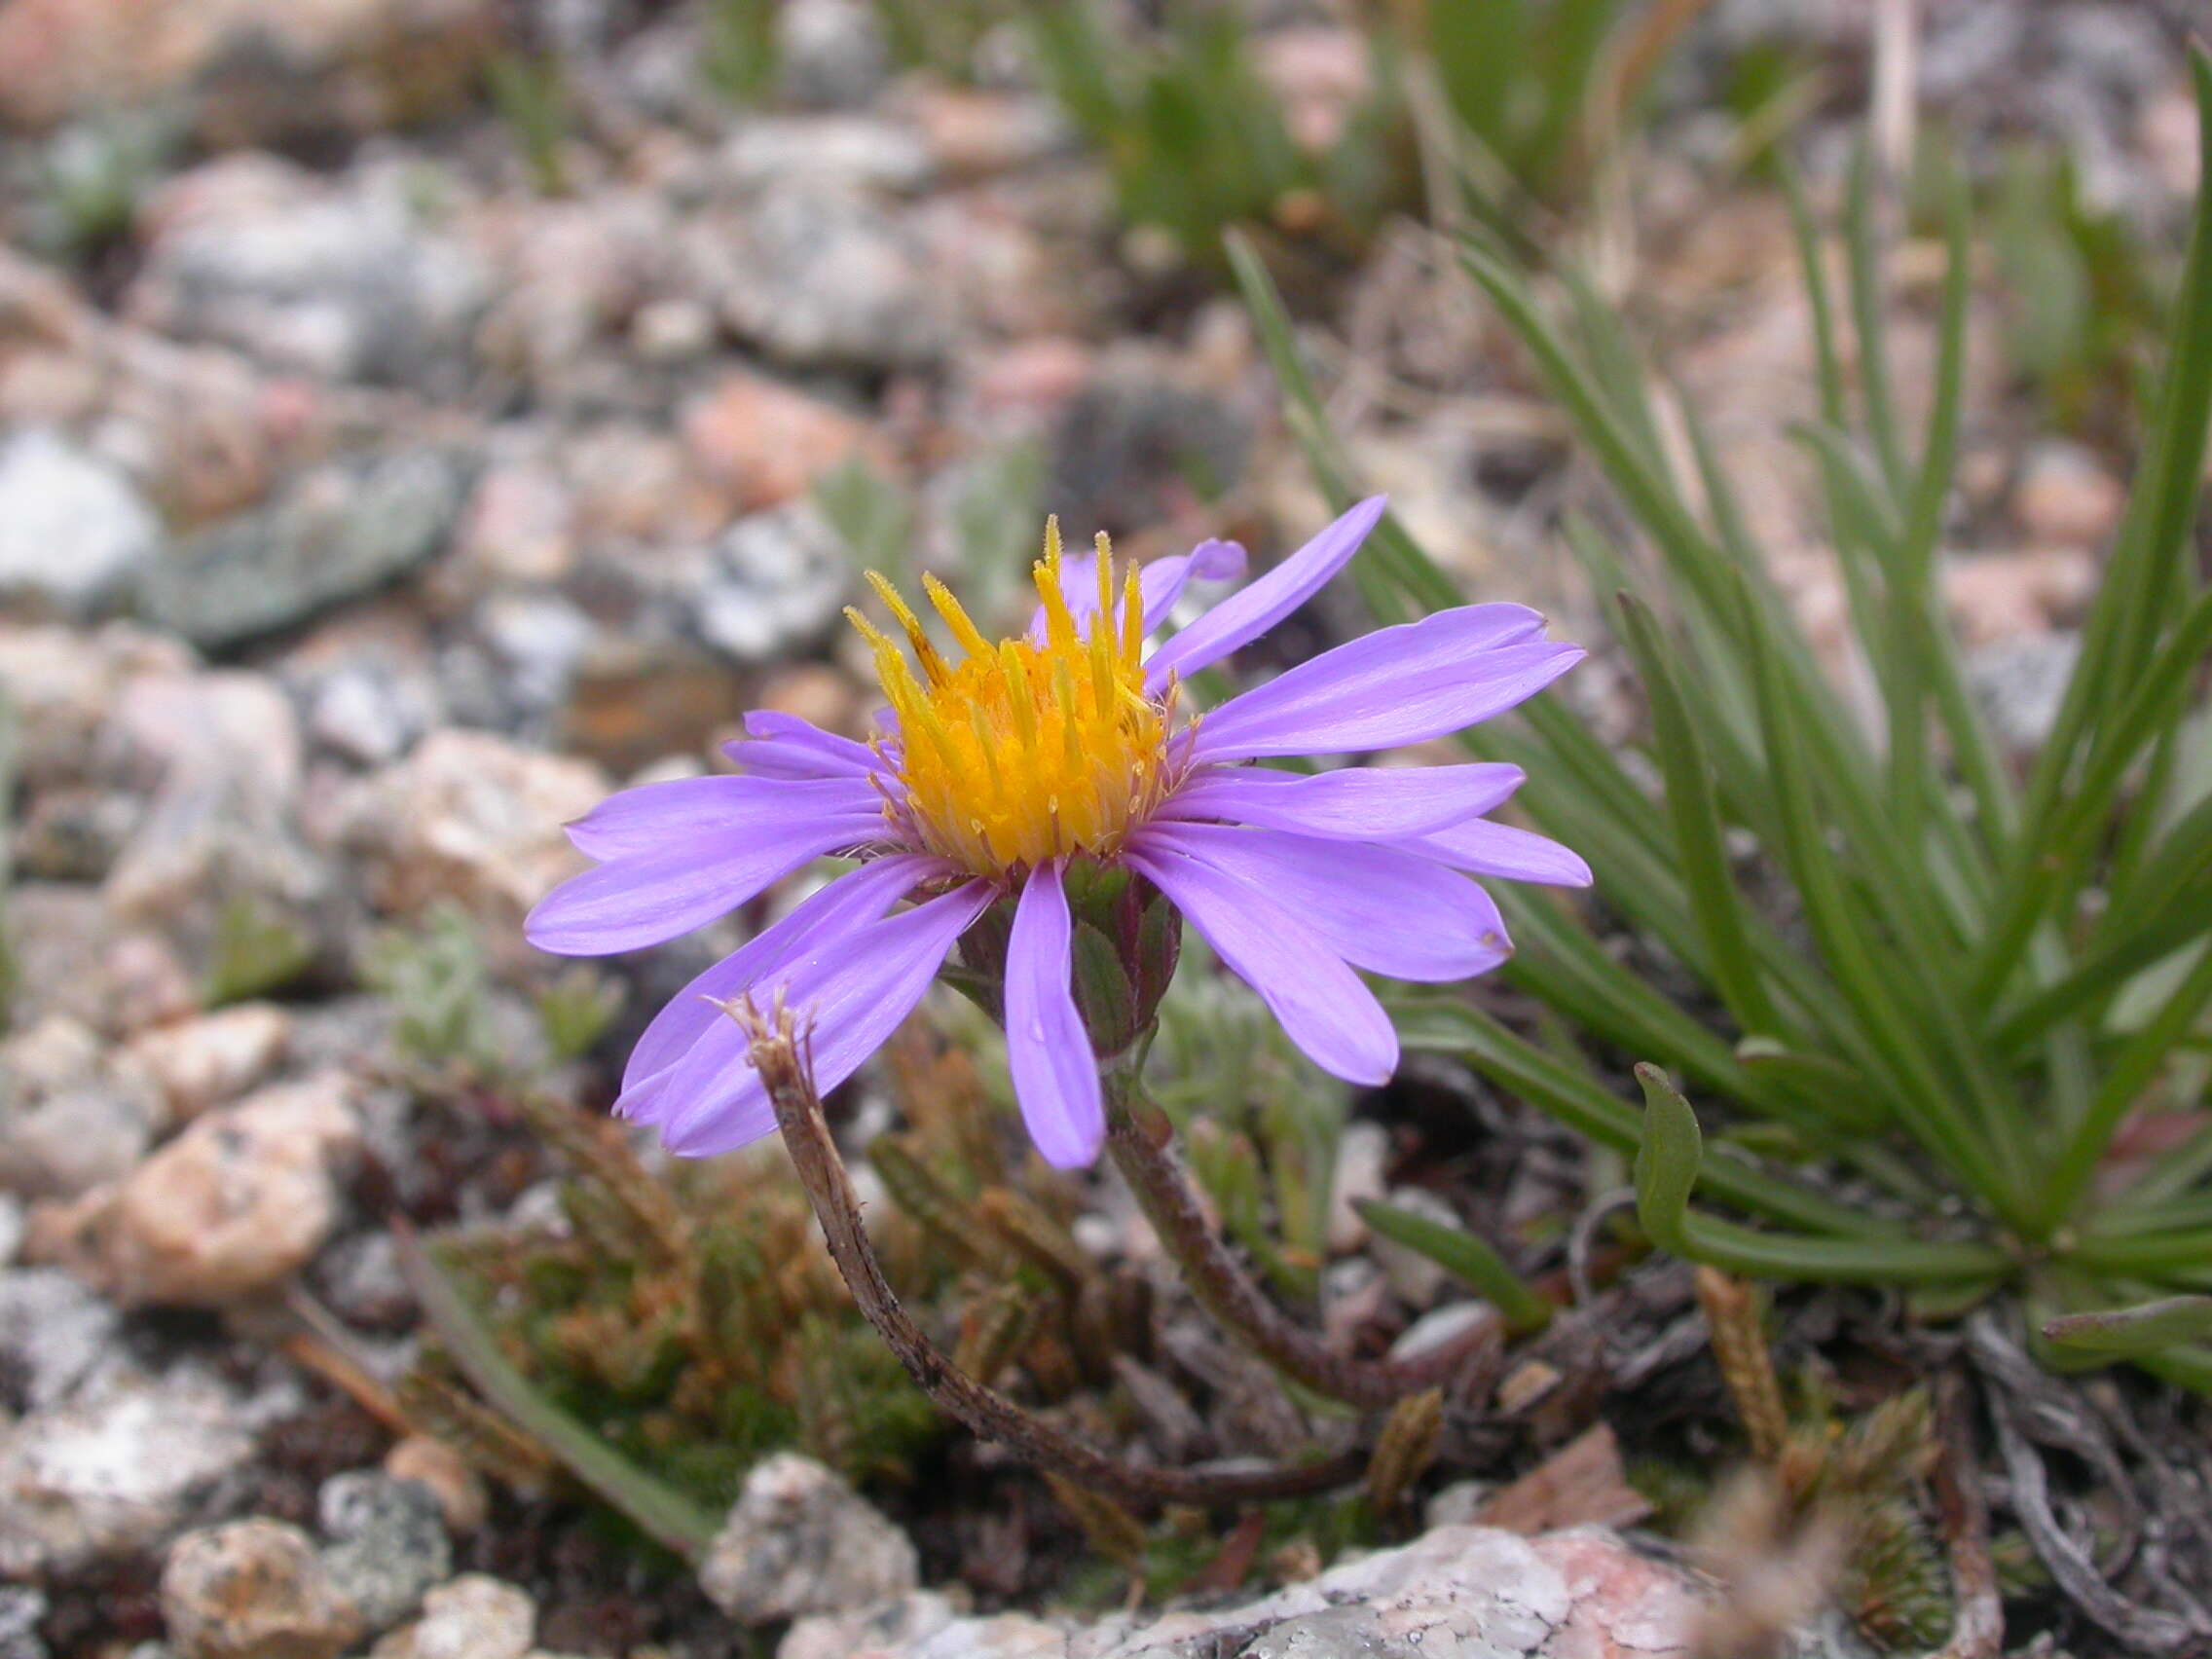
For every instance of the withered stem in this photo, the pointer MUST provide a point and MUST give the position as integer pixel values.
(984, 1411)
(1977, 1619)
(1138, 1137)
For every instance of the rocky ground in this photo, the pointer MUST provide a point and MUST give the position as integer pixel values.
(367, 510)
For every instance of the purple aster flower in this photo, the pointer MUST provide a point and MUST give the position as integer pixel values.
(1060, 765)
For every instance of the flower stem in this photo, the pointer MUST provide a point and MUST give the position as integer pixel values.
(1139, 1139)
(783, 1068)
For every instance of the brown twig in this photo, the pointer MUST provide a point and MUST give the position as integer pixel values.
(2012, 1390)
(1977, 1619)
(776, 1052)
(1137, 1138)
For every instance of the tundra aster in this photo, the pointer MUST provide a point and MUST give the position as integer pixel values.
(1025, 771)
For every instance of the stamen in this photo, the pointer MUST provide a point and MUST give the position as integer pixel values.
(1020, 699)
(1132, 617)
(1059, 621)
(1105, 573)
(970, 637)
(925, 653)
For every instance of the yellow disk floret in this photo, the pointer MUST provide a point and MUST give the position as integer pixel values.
(1022, 750)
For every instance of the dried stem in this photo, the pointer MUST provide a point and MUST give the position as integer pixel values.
(1137, 1135)
(1977, 1625)
(777, 1052)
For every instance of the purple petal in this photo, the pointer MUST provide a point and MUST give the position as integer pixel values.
(1047, 1050)
(1161, 583)
(1393, 687)
(1360, 803)
(647, 899)
(1499, 849)
(844, 903)
(1250, 612)
(1321, 1003)
(660, 817)
(784, 746)
(1381, 908)
(848, 995)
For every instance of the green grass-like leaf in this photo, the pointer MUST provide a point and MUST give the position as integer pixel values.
(1953, 972)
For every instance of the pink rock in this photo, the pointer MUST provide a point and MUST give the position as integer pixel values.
(225, 1212)
(764, 442)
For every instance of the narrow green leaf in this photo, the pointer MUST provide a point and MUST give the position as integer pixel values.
(2138, 590)
(2128, 1330)
(1864, 249)
(1467, 1257)
(1666, 1161)
(1836, 1088)
(1969, 1269)
(662, 1513)
(1441, 1026)
(1873, 983)
(1696, 819)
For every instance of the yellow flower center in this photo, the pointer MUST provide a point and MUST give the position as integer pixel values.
(1024, 751)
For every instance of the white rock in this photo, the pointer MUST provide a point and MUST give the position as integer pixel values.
(53, 1333)
(111, 1472)
(207, 1061)
(340, 282)
(1363, 1152)
(1456, 1590)
(834, 149)
(472, 818)
(800, 1542)
(73, 529)
(474, 1617)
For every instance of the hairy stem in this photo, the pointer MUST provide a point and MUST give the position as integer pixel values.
(783, 1068)
(1138, 1138)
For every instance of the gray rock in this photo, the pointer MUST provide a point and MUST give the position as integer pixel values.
(253, 1590)
(342, 530)
(72, 1113)
(73, 529)
(474, 1617)
(541, 640)
(822, 277)
(389, 1543)
(1456, 1590)
(344, 285)
(1339, 1632)
(800, 1542)
(369, 714)
(775, 581)
(11, 1227)
(855, 151)
(114, 1470)
(22, 1611)
(2020, 681)
(831, 54)
(1138, 437)
(53, 1333)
